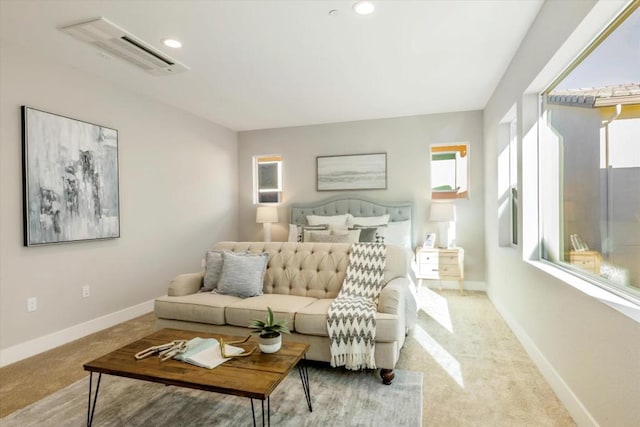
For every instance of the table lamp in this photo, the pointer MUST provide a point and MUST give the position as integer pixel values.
(445, 215)
(265, 216)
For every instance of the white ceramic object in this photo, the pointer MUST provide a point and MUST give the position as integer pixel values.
(270, 345)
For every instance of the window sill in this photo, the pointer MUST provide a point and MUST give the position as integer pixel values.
(628, 308)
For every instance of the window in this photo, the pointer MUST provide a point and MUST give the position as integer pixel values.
(590, 162)
(508, 180)
(267, 179)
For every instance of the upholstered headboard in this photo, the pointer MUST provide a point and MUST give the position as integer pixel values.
(354, 205)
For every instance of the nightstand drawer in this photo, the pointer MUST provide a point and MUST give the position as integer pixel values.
(449, 271)
(428, 258)
(449, 258)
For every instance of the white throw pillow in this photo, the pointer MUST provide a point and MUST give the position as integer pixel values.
(370, 220)
(330, 220)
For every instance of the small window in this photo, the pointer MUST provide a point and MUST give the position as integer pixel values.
(508, 204)
(267, 178)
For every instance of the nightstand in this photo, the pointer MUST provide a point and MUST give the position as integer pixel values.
(440, 264)
(586, 260)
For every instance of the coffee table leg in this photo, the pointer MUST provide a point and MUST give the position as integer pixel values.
(91, 409)
(304, 377)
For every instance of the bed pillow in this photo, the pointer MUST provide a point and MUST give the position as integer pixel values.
(213, 270)
(330, 220)
(370, 220)
(242, 274)
(399, 233)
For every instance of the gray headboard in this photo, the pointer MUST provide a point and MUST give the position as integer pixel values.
(354, 205)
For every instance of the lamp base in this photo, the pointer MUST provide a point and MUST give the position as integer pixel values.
(266, 227)
(446, 235)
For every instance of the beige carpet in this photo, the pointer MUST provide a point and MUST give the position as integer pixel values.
(127, 402)
(475, 371)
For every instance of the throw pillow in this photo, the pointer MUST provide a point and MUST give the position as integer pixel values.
(315, 229)
(242, 274)
(368, 234)
(213, 269)
(398, 233)
(328, 238)
(352, 235)
(381, 231)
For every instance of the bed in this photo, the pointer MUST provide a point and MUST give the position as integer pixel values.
(399, 227)
(400, 224)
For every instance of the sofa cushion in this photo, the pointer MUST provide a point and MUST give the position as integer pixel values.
(243, 312)
(202, 307)
(242, 274)
(312, 320)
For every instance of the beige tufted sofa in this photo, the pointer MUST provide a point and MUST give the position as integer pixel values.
(301, 281)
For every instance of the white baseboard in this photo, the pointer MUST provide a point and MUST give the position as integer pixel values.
(578, 411)
(38, 345)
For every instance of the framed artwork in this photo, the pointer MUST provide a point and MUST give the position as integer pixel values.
(429, 241)
(352, 172)
(70, 179)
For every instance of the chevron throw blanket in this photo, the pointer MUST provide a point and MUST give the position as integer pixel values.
(352, 315)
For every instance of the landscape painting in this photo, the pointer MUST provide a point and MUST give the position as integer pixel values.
(352, 172)
(70, 174)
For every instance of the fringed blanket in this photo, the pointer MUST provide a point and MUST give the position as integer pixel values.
(352, 315)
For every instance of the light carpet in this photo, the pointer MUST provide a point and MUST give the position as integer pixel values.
(339, 398)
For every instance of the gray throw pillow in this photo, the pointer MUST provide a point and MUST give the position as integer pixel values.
(328, 238)
(367, 234)
(213, 262)
(242, 274)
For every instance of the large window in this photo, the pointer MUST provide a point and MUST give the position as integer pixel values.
(590, 162)
(267, 179)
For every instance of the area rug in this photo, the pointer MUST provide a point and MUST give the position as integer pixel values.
(339, 398)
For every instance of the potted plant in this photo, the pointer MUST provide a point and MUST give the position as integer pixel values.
(270, 332)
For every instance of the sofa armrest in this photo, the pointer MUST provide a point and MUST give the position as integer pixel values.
(393, 296)
(185, 284)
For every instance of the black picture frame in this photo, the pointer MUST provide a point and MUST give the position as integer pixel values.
(70, 177)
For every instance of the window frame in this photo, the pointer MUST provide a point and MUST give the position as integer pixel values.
(533, 179)
(257, 160)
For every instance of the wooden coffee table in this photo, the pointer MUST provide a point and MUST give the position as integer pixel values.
(255, 376)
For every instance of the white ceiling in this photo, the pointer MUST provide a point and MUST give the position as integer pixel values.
(265, 64)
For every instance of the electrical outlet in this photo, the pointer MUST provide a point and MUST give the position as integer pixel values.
(85, 291)
(32, 304)
(203, 263)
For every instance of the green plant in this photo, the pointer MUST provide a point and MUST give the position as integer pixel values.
(269, 328)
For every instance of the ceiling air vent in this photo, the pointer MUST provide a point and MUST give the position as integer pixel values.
(117, 42)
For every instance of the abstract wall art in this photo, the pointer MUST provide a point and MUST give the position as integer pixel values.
(70, 179)
(352, 172)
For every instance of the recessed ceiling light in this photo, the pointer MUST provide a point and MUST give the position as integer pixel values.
(363, 7)
(172, 43)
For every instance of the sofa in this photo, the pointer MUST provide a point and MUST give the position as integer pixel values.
(300, 282)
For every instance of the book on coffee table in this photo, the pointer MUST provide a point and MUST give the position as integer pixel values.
(205, 352)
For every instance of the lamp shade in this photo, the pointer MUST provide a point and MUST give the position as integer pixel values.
(266, 214)
(442, 212)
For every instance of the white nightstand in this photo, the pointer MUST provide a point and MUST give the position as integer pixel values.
(440, 264)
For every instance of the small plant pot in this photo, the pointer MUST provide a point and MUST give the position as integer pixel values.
(270, 344)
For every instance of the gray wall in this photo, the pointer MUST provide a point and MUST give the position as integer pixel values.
(588, 351)
(406, 141)
(178, 195)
